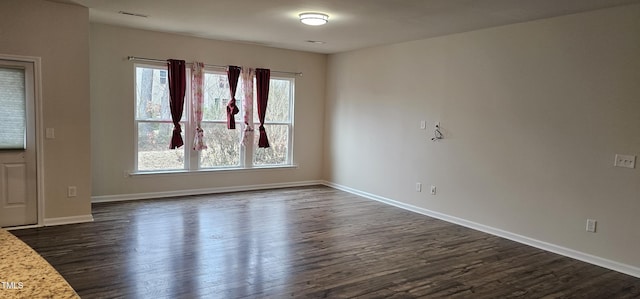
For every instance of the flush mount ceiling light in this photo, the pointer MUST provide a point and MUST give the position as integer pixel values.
(314, 18)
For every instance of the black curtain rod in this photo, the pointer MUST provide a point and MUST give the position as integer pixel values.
(206, 65)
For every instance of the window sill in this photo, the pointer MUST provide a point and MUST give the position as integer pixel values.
(209, 171)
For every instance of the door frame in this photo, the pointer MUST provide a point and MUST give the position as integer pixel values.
(37, 94)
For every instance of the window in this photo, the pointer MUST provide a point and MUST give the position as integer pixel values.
(13, 113)
(277, 123)
(153, 123)
(154, 126)
(223, 144)
(163, 77)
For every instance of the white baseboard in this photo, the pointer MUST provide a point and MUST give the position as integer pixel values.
(585, 257)
(21, 227)
(68, 220)
(148, 195)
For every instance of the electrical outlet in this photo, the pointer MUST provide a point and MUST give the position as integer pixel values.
(72, 191)
(591, 225)
(627, 161)
(433, 190)
(418, 187)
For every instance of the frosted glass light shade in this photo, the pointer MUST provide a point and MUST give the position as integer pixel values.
(314, 18)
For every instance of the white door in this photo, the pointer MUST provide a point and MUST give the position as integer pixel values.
(18, 178)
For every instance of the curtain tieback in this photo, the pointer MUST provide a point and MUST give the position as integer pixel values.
(232, 107)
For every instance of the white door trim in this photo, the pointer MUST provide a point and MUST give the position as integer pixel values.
(37, 93)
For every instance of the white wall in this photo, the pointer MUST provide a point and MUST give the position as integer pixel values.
(532, 113)
(59, 35)
(112, 102)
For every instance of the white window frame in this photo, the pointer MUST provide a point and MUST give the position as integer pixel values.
(192, 157)
(239, 129)
(185, 123)
(290, 124)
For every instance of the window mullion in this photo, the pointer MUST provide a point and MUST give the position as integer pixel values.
(247, 152)
(136, 127)
(191, 156)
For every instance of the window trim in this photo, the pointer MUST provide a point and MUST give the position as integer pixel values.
(191, 156)
(185, 122)
(289, 157)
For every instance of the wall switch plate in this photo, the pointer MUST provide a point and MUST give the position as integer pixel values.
(423, 124)
(50, 133)
(433, 190)
(627, 161)
(418, 187)
(591, 225)
(72, 191)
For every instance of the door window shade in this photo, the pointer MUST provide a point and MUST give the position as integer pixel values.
(13, 112)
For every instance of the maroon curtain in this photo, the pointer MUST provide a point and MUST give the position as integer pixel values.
(233, 73)
(177, 85)
(262, 88)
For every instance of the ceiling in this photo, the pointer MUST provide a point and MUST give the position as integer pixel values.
(353, 24)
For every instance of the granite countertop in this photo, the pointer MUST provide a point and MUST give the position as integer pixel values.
(25, 274)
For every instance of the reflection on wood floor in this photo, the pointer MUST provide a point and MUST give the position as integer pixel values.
(309, 242)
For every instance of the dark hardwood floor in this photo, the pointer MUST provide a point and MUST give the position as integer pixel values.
(310, 242)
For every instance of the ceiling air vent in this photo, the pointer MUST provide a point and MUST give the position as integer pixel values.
(132, 14)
